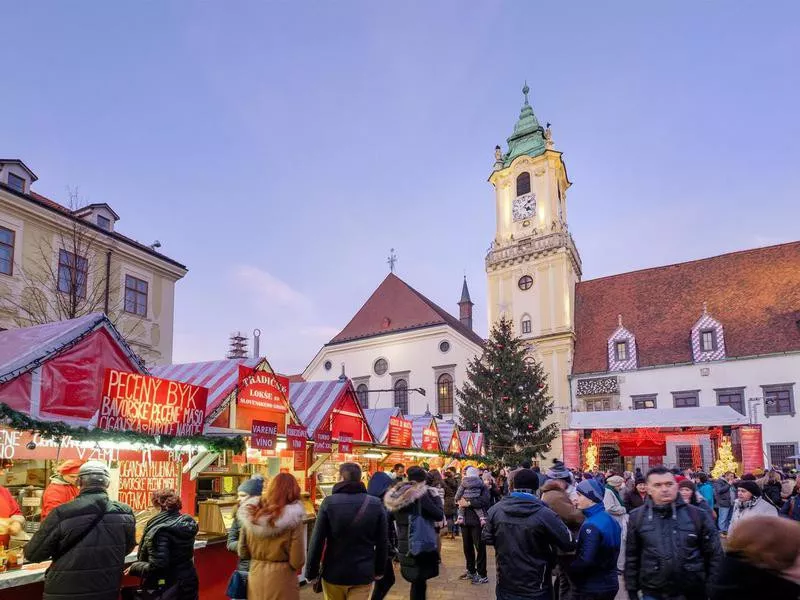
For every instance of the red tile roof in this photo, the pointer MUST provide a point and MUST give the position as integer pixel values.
(754, 294)
(395, 306)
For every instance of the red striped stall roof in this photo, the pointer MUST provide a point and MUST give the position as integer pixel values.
(313, 400)
(446, 429)
(219, 376)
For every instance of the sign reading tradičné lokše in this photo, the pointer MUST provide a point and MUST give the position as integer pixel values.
(151, 405)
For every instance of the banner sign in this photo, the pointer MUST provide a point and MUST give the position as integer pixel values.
(752, 452)
(571, 443)
(322, 442)
(296, 437)
(430, 439)
(151, 405)
(264, 390)
(300, 460)
(455, 445)
(345, 443)
(137, 480)
(265, 436)
(399, 434)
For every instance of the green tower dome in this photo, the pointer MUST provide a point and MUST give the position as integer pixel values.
(528, 137)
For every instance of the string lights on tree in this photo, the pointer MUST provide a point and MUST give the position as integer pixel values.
(726, 462)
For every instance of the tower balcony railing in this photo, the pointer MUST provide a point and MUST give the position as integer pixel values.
(531, 245)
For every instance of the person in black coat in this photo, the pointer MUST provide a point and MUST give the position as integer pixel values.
(87, 538)
(473, 508)
(450, 510)
(637, 496)
(378, 486)
(351, 528)
(405, 500)
(166, 552)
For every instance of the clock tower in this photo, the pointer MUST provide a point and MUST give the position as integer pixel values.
(533, 265)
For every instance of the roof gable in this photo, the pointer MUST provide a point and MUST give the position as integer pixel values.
(394, 307)
(754, 294)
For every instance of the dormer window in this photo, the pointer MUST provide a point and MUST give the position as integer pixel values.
(16, 182)
(523, 184)
(621, 350)
(708, 340)
(104, 222)
(99, 214)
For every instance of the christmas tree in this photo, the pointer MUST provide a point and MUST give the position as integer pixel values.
(725, 462)
(506, 396)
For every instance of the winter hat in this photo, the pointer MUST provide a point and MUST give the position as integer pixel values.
(526, 479)
(748, 477)
(471, 472)
(379, 483)
(69, 467)
(558, 471)
(416, 474)
(94, 467)
(253, 486)
(639, 479)
(750, 486)
(686, 483)
(615, 481)
(588, 489)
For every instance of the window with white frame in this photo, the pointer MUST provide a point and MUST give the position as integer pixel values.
(401, 395)
(708, 340)
(135, 296)
(73, 272)
(597, 404)
(7, 239)
(621, 350)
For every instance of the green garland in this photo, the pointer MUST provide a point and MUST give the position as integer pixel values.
(57, 430)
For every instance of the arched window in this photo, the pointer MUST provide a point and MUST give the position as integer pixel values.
(401, 395)
(523, 183)
(444, 394)
(362, 392)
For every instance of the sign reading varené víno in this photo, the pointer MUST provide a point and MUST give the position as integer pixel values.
(151, 405)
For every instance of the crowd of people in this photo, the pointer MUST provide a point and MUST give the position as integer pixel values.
(561, 534)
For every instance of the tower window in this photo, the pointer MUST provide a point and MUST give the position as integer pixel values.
(523, 184)
(621, 350)
(401, 395)
(526, 326)
(708, 340)
(525, 282)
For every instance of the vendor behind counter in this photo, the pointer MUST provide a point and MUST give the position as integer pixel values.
(63, 486)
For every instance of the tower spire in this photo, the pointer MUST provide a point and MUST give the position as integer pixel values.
(529, 136)
(465, 306)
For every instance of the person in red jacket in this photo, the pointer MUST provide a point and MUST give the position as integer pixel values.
(11, 518)
(63, 486)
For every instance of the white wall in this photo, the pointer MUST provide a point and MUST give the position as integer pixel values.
(750, 373)
(415, 351)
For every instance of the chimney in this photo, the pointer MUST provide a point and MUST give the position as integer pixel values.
(465, 306)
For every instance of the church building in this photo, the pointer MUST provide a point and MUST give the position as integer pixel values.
(403, 350)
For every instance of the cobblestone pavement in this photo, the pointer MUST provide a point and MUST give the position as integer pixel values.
(446, 586)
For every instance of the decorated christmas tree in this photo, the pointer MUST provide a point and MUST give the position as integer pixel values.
(506, 396)
(725, 462)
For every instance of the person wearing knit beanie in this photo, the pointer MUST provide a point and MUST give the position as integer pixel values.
(590, 489)
(750, 486)
(559, 471)
(252, 487)
(749, 503)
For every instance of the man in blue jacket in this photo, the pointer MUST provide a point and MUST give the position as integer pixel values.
(594, 570)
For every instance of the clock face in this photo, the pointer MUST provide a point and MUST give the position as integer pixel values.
(524, 207)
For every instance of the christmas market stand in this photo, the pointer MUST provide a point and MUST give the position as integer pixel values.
(74, 391)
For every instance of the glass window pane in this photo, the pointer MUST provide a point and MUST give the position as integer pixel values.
(6, 236)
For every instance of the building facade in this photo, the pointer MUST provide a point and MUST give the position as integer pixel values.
(401, 349)
(59, 262)
(721, 331)
(533, 264)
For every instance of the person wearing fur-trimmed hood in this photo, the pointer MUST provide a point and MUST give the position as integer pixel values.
(416, 508)
(272, 538)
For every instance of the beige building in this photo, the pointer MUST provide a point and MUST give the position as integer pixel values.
(59, 262)
(533, 265)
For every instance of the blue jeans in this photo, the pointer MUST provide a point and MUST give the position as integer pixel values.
(724, 519)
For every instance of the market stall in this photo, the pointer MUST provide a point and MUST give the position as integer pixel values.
(393, 434)
(74, 391)
(449, 438)
(683, 437)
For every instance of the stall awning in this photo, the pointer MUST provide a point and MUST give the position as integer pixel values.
(700, 416)
(424, 432)
(330, 406)
(378, 419)
(447, 429)
(219, 376)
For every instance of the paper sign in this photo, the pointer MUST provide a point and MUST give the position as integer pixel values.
(296, 437)
(151, 405)
(260, 389)
(430, 440)
(399, 435)
(322, 442)
(265, 436)
(345, 443)
(138, 480)
(752, 452)
(300, 460)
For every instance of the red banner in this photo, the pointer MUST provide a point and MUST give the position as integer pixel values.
(322, 442)
(752, 448)
(296, 437)
(430, 439)
(264, 390)
(399, 434)
(455, 445)
(571, 443)
(265, 436)
(345, 443)
(138, 480)
(151, 405)
(300, 460)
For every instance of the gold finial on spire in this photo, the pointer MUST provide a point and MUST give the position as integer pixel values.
(619, 320)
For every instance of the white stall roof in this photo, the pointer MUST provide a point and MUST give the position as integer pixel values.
(700, 416)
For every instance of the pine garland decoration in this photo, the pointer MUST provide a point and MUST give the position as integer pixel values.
(57, 430)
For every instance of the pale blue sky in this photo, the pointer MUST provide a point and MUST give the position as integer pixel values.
(279, 149)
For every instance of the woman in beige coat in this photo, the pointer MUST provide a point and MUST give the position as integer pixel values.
(272, 537)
